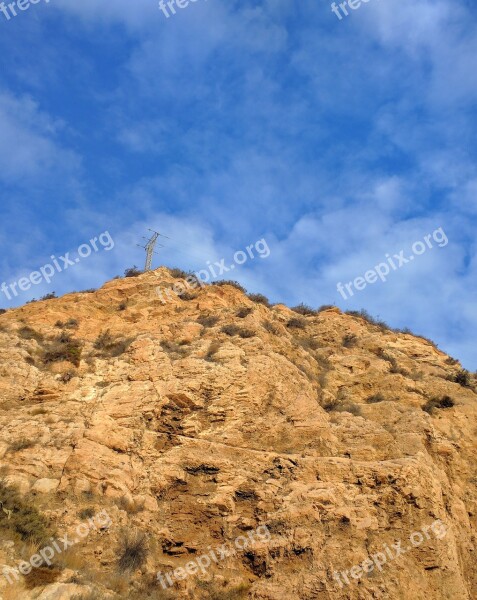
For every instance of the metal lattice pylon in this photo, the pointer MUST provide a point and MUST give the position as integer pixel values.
(150, 246)
(150, 251)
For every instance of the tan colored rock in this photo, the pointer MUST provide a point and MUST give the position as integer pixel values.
(60, 591)
(45, 485)
(197, 437)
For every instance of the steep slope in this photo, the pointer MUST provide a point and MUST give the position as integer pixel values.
(202, 418)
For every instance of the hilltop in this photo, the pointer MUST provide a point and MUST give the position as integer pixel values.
(197, 419)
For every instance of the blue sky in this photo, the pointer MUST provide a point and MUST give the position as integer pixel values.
(337, 141)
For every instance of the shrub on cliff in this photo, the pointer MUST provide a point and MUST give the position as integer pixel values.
(260, 299)
(63, 348)
(19, 516)
(132, 272)
(297, 323)
(304, 309)
(234, 284)
(438, 403)
(133, 551)
(111, 346)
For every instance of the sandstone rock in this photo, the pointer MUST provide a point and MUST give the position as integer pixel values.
(45, 485)
(196, 437)
(60, 591)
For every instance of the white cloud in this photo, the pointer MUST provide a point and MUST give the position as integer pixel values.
(27, 144)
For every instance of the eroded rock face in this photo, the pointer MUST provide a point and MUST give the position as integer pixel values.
(196, 437)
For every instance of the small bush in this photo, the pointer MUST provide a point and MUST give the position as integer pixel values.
(132, 272)
(247, 333)
(451, 361)
(21, 444)
(271, 327)
(63, 348)
(178, 273)
(395, 368)
(375, 398)
(123, 305)
(187, 296)
(462, 378)
(259, 299)
(330, 404)
(27, 333)
(193, 280)
(325, 307)
(439, 403)
(88, 291)
(111, 346)
(3, 311)
(303, 309)
(422, 337)
(86, 513)
(350, 340)
(133, 551)
(49, 296)
(231, 329)
(234, 284)
(363, 314)
(297, 323)
(175, 348)
(208, 321)
(244, 312)
(71, 324)
(19, 516)
(64, 337)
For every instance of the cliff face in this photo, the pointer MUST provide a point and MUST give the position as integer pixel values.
(317, 441)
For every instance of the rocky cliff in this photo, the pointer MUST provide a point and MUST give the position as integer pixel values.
(292, 449)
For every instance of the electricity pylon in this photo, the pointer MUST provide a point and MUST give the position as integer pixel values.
(149, 247)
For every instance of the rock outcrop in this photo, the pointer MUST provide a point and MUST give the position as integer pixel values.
(196, 420)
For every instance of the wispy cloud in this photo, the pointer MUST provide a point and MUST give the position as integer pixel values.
(337, 141)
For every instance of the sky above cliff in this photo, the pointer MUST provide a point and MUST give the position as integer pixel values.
(342, 142)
